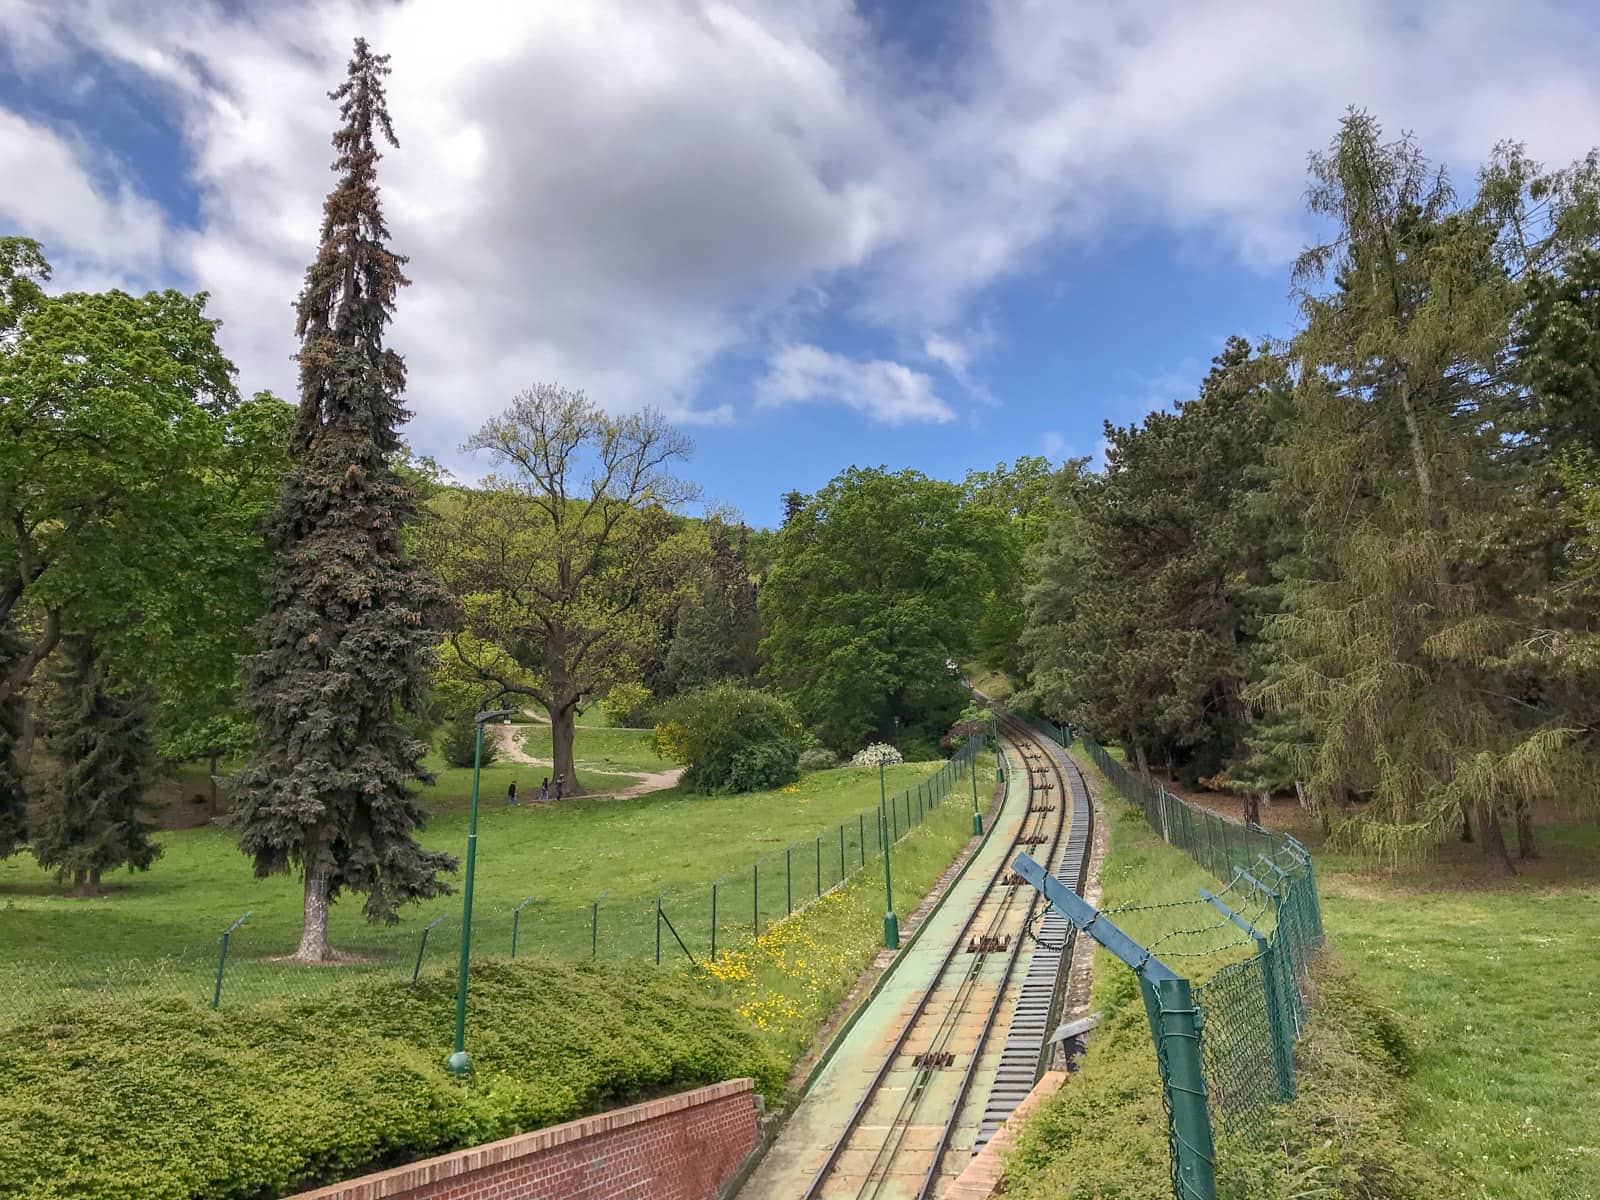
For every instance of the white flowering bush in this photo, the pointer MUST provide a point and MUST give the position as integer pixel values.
(878, 752)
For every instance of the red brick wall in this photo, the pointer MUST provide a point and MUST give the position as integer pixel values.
(682, 1147)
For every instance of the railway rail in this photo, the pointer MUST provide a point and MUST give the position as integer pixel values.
(901, 1138)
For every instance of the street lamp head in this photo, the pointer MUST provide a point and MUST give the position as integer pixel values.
(495, 715)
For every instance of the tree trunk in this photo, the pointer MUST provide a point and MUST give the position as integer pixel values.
(1494, 841)
(563, 718)
(85, 883)
(23, 754)
(314, 931)
(1466, 824)
(1419, 454)
(1527, 847)
(1144, 763)
(1302, 795)
(213, 780)
(1252, 808)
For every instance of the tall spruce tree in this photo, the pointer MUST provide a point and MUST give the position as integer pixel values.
(93, 817)
(347, 642)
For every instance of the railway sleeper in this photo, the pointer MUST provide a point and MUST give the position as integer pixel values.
(1041, 808)
(1033, 839)
(989, 943)
(934, 1059)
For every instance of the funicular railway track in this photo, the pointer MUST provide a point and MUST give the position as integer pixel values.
(898, 1139)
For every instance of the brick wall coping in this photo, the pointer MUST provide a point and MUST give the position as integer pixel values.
(399, 1180)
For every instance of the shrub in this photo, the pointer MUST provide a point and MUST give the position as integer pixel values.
(818, 758)
(166, 1100)
(707, 729)
(460, 737)
(917, 747)
(626, 705)
(763, 765)
(878, 752)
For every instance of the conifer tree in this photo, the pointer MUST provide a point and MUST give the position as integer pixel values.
(1395, 629)
(93, 816)
(13, 800)
(347, 641)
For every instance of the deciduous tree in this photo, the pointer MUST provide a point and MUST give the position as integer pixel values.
(564, 568)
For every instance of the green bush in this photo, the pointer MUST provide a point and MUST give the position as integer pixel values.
(818, 758)
(460, 738)
(626, 704)
(166, 1100)
(709, 729)
(762, 766)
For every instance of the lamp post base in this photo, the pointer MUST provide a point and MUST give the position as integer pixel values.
(458, 1063)
(891, 931)
(977, 824)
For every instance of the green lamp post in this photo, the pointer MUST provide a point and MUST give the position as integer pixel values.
(459, 1063)
(891, 923)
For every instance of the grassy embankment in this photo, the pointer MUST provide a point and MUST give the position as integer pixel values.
(1450, 1053)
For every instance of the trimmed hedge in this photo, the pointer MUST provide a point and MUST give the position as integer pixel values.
(166, 1100)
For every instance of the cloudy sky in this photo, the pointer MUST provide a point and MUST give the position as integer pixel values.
(935, 233)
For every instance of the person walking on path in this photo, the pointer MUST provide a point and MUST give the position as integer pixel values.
(511, 794)
(544, 790)
(560, 783)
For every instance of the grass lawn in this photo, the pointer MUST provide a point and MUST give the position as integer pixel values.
(1494, 983)
(601, 749)
(563, 854)
(1500, 978)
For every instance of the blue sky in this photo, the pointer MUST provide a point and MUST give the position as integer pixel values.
(814, 233)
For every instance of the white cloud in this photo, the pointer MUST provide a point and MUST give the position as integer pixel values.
(1053, 444)
(886, 392)
(616, 195)
(107, 230)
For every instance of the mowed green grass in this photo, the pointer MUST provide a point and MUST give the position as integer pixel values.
(601, 748)
(1501, 979)
(564, 854)
(1501, 982)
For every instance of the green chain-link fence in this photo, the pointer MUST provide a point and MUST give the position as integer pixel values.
(243, 965)
(1224, 1045)
(1251, 1009)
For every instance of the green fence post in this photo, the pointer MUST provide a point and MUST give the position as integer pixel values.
(861, 835)
(1179, 1031)
(423, 945)
(594, 924)
(819, 866)
(755, 899)
(516, 916)
(714, 919)
(841, 852)
(222, 959)
(788, 882)
(977, 817)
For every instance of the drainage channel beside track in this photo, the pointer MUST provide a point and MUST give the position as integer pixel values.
(922, 1084)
